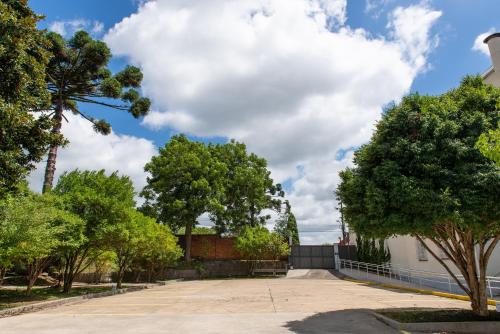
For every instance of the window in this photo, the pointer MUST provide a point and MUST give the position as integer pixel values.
(421, 252)
(442, 255)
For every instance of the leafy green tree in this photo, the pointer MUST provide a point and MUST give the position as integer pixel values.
(101, 201)
(128, 240)
(24, 139)
(489, 144)
(185, 181)
(371, 251)
(162, 248)
(31, 231)
(286, 225)
(248, 189)
(257, 243)
(422, 175)
(77, 73)
(277, 248)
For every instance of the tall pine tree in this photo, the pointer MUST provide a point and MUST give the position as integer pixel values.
(78, 73)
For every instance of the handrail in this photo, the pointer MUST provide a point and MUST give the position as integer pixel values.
(411, 276)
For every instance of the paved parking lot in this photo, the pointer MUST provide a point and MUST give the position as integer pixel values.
(282, 305)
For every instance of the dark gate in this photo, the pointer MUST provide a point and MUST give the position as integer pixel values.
(312, 257)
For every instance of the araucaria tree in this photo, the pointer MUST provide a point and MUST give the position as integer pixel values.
(24, 139)
(422, 175)
(185, 182)
(77, 73)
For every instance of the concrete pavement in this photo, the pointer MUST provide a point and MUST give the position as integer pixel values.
(230, 306)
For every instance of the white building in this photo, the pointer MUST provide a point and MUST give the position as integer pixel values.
(407, 251)
(492, 75)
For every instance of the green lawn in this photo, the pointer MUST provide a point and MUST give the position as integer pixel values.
(14, 298)
(409, 316)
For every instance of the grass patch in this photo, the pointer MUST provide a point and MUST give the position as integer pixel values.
(412, 316)
(15, 298)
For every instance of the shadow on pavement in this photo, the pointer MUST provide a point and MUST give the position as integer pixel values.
(344, 321)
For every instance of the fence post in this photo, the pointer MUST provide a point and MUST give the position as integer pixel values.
(449, 284)
(489, 287)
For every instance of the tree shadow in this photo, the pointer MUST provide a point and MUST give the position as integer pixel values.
(343, 321)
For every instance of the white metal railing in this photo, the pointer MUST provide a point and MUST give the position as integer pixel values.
(420, 278)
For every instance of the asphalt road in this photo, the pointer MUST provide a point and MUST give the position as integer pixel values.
(304, 304)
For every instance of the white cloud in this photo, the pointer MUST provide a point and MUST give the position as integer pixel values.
(69, 27)
(376, 7)
(479, 44)
(88, 150)
(411, 27)
(287, 77)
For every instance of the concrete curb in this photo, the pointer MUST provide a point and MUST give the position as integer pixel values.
(484, 327)
(64, 301)
(422, 291)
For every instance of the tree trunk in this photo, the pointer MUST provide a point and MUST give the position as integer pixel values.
(50, 168)
(189, 229)
(119, 279)
(460, 248)
(34, 270)
(74, 266)
(3, 271)
(68, 282)
(150, 273)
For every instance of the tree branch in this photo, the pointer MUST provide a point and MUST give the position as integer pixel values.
(452, 274)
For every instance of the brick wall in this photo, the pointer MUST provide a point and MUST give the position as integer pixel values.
(211, 247)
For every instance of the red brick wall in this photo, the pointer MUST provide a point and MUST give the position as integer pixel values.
(211, 247)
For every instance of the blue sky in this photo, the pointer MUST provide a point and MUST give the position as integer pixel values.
(460, 24)
(301, 90)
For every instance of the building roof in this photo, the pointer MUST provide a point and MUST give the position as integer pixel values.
(497, 34)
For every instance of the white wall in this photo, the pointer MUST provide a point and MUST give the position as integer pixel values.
(493, 78)
(404, 254)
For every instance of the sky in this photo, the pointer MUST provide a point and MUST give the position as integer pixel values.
(300, 82)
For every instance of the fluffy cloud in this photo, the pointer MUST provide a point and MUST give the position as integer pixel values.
(479, 44)
(288, 78)
(68, 28)
(88, 150)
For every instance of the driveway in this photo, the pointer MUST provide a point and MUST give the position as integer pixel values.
(304, 304)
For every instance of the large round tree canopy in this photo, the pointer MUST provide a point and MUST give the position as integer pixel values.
(421, 168)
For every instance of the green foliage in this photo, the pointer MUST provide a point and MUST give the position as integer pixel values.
(24, 139)
(421, 168)
(32, 230)
(248, 189)
(102, 202)
(257, 243)
(78, 73)
(422, 175)
(372, 251)
(22, 56)
(185, 181)
(286, 226)
(139, 238)
(489, 144)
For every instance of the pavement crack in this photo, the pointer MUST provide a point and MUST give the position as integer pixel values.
(272, 299)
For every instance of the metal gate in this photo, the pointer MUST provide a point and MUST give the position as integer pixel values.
(312, 257)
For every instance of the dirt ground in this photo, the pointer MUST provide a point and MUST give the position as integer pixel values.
(310, 302)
